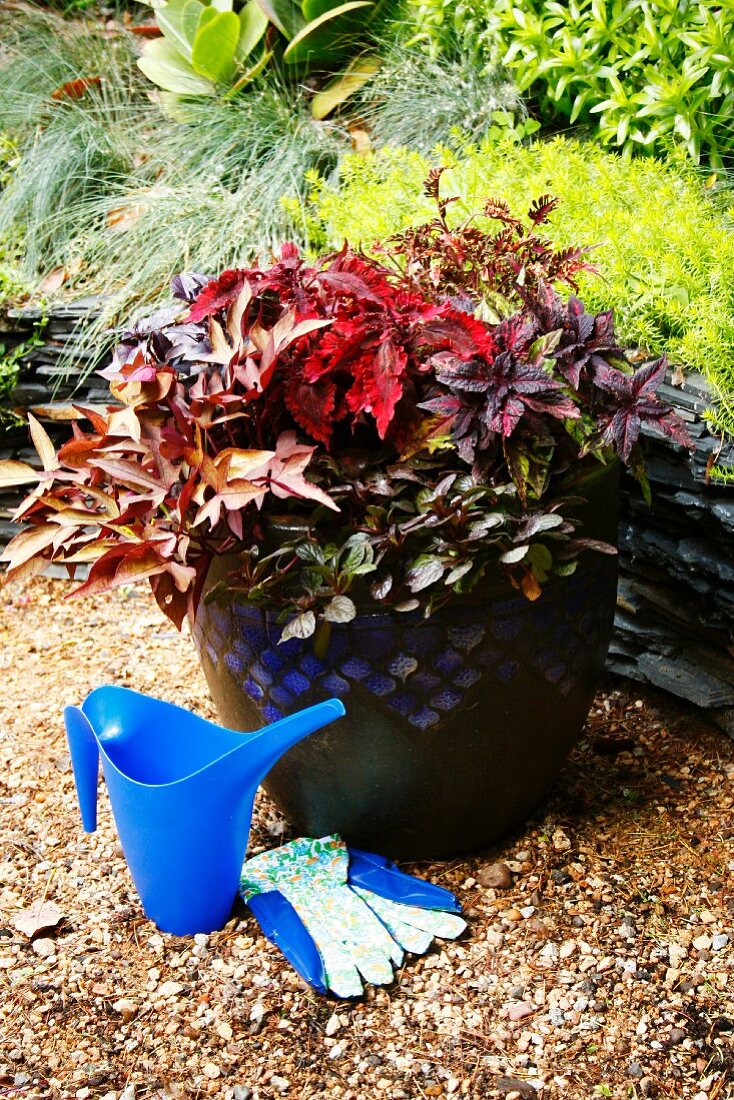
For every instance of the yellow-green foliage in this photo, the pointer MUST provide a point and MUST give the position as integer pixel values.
(665, 250)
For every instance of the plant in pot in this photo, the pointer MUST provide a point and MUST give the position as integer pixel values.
(391, 480)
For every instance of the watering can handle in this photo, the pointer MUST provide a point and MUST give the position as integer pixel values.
(85, 763)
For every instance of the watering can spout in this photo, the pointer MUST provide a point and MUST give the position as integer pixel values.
(268, 745)
(84, 752)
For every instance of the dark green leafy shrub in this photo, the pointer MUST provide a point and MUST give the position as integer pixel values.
(646, 74)
(665, 244)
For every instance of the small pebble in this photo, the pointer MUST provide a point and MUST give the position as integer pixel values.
(495, 876)
(44, 948)
(169, 989)
(126, 1008)
(333, 1025)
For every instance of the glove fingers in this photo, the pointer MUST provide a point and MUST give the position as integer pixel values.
(430, 922)
(340, 972)
(344, 956)
(410, 939)
(349, 937)
(342, 976)
(363, 934)
(364, 927)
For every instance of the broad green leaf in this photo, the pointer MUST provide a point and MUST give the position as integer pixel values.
(163, 64)
(178, 21)
(206, 17)
(310, 552)
(221, 5)
(249, 75)
(180, 108)
(312, 9)
(327, 37)
(253, 24)
(285, 15)
(424, 572)
(341, 87)
(215, 46)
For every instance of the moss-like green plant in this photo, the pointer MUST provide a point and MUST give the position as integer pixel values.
(665, 243)
(444, 27)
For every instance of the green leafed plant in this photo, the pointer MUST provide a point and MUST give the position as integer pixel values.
(646, 75)
(208, 49)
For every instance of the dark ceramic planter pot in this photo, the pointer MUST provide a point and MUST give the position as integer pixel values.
(455, 726)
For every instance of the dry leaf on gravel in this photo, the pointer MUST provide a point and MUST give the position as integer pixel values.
(41, 917)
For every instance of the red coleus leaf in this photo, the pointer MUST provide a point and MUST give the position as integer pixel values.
(381, 382)
(459, 333)
(311, 405)
(217, 294)
(349, 284)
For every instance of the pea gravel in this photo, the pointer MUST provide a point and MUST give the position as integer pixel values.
(599, 961)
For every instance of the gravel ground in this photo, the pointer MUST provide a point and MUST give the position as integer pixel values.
(599, 960)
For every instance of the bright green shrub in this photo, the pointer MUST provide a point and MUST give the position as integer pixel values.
(444, 26)
(646, 74)
(666, 249)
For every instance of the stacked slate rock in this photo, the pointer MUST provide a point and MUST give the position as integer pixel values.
(45, 387)
(674, 626)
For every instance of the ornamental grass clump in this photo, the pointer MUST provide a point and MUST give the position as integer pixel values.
(383, 431)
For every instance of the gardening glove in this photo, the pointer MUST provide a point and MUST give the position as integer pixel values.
(319, 903)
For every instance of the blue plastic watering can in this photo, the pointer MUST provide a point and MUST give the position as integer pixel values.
(181, 790)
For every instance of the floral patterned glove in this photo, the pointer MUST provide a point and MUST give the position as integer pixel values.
(332, 929)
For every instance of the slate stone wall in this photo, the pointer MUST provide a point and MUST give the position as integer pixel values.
(43, 387)
(675, 607)
(674, 626)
